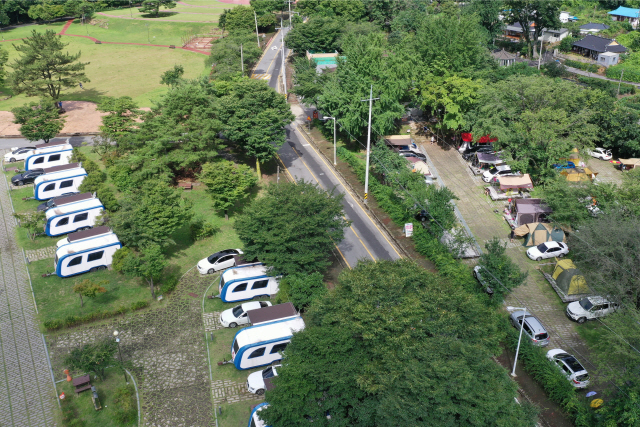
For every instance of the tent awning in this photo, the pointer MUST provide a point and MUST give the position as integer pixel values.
(630, 162)
(507, 182)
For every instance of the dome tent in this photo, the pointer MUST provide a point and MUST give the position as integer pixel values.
(569, 282)
(536, 232)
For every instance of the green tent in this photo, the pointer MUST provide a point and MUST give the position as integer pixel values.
(537, 232)
(569, 280)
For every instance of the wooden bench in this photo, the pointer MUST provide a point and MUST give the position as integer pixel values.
(82, 383)
(185, 185)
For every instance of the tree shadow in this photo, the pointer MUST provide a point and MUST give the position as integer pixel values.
(89, 95)
(160, 15)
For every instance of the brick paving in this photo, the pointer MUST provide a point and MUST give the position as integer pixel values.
(43, 253)
(27, 395)
(479, 211)
(226, 391)
(211, 321)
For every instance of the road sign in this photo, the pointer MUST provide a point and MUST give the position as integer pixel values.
(408, 229)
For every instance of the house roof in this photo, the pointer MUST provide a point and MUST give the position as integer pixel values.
(600, 44)
(552, 30)
(627, 12)
(594, 26)
(503, 54)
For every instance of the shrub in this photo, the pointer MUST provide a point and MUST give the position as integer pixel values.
(108, 199)
(120, 258)
(555, 69)
(92, 182)
(566, 44)
(200, 229)
(300, 289)
(169, 283)
(631, 71)
(90, 166)
(139, 305)
(126, 409)
(120, 176)
(52, 325)
(592, 68)
(77, 156)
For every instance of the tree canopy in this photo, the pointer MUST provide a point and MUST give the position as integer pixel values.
(227, 182)
(225, 55)
(39, 120)
(152, 7)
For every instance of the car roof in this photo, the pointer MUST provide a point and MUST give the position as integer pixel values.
(597, 300)
(503, 167)
(531, 320)
(571, 362)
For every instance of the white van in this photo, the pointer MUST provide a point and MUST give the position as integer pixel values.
(48, 155)
(71, 217)
(260, 345)
(246, 282)
(88, 254)
(58, 183)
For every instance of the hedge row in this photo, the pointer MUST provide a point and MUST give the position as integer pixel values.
(593, 68)
(73, 320)
(631, 72)
(608, 86)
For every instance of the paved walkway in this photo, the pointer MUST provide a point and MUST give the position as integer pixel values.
(597, 76)
(26, 390)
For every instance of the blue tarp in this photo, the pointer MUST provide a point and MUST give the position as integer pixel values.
(626, 12)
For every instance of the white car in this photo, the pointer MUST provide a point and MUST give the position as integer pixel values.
(590, 308)
(497, 172)
(18, 154)
(238, 315)
(548, 250)
(255, 381)
(570, 367)
(219, 261)
(601, 153)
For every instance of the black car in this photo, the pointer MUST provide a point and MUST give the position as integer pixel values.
(482, 148)
(26, 177)
(416, 155)
(52, 202)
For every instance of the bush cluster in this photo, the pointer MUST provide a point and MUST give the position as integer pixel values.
(125, 404)
(200, 229)
(607, 86)
(592, 68)
(74, 320)
(631, 72)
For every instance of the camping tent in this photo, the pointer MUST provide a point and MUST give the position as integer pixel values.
(569, 280)
(629, 163)
(578, 174)
(526, 211)
(513, 182)
(537, 232)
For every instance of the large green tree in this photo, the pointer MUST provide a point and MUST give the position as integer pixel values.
(254, 117)
(226, 58)
(150, 215)
(4, 56)
(121, 116)
(542, 13)
(500, 265)
(395, 345)
(92, 357)
(43, 69)
(81, 9)
(152, 7)
(46, 11)
(351, 10)
(320, 34)
(240, 18)
(488, 12)
(38, 120)
(227, 183)
(292, 227)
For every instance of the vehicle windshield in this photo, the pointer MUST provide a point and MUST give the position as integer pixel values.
(542, 248)
(16, 151)
(586, 304)
(268, 373)
(573, 364)
(237, 311)
(213, 258)
(493, 171)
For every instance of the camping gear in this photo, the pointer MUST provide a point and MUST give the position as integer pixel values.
(568, 282)
(627, 164)
(578, 174)
(536, 232)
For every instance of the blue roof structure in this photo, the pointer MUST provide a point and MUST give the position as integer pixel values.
(626, 12)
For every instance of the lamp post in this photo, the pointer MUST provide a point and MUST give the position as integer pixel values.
(513, 372)
(334, 138)
(115, 334)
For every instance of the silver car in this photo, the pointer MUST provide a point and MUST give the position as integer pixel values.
(532, 328)
(570, 367)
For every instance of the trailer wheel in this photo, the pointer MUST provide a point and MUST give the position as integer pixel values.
(260, 392)
(102, 267)
(233, 325)
(93, 269)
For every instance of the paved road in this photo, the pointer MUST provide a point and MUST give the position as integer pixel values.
(26, 389)
(363, 240)
(6, 143)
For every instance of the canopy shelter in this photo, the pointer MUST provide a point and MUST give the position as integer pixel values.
(395, 140)
(512, 182)
(578, 174)
(538, 232)
(629, 163)
(569, 280)
(527, 211)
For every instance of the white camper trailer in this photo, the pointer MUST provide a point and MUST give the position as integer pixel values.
(48, 155)
(88, 254)
(58, 183)
(254, 418)
(246, 282)
(261, 344)
(71, 217)
(84, 234)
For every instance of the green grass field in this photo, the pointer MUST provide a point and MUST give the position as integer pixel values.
(210, 4)
(21, 32)
(235, 414)
(180, 13)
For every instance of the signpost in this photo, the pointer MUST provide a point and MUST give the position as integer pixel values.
(408, 229)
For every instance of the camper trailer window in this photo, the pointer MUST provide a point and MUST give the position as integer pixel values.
(236, 346)
(241, 287)
(54, 158)
(95, 256)
(65, 184)
(260, 284)
(75, 261)
(278, 348)
(81, 217)
(49, 187)
(63, 221)
(257, 353)
(39, 160)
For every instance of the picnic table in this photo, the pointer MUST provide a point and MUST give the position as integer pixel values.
(82, 383)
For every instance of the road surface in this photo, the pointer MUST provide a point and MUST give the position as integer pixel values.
(363, 239)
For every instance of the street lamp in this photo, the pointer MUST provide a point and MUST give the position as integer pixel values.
(115, 334)
(513, 372)
(334, 138)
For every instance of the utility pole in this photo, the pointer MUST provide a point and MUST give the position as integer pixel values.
(620, 82)
(241, 59)
(540, 56)
(366, 175)
(256, 19)
(284, 71)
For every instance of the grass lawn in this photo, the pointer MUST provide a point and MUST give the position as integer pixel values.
(82, 405)
(177, 14)
(21, 32)
(56, 300)
(235, 414)
(210, 4)
(131, 31)
(119, 70)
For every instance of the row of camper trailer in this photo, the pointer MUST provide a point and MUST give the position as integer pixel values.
(73, 213)
(49, 155)
(58, 181)
(87, 250)
(246, 282)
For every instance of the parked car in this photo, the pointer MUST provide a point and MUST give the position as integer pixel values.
(477, 149)
(51, 203)
(497, 172)
(482, 278)
(17, 154)
(255, 381)
(412, 154)
(219, 261)
(589, 308)
(26, 177)
(238, 315)
(467, 148)
(601, 153)
(548, 250)
(570, 367)
(532, 327)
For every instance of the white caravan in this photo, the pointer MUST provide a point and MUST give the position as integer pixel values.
(246, 282)
(88, 254)
(58, 183)
(65, 219)
(48, 155)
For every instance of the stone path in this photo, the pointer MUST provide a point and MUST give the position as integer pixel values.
(225, 391)
(38, 254)
(211, 321)
(27, 395)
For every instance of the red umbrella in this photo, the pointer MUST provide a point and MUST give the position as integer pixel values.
(486, 139)
(467, 137)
